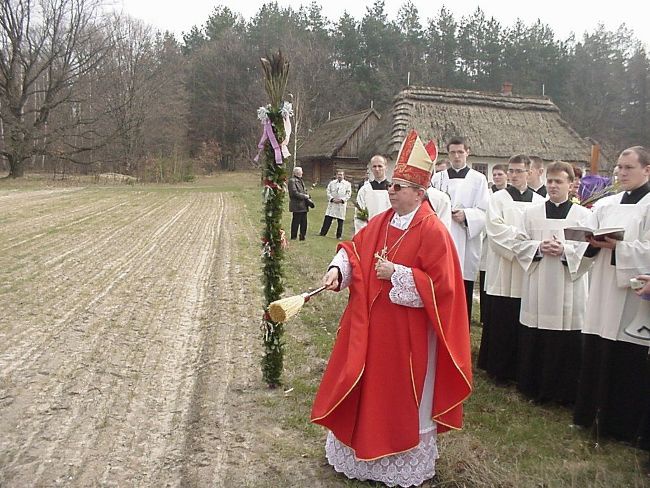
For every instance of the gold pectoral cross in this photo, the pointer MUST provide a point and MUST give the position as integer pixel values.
(383, 255)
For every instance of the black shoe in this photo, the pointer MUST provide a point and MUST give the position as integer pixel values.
(302, 238)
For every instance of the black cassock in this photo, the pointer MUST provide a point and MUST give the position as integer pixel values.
(613, 395)
(549, 360)
(500, 337)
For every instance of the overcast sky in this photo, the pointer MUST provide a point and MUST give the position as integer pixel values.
(564, 16)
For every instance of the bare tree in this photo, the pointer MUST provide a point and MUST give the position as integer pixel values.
(46, 48)
(127, 83)
(142, 83)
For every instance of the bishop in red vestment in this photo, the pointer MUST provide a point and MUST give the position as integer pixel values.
(400, 368)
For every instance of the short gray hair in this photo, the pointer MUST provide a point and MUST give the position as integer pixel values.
(297, 170)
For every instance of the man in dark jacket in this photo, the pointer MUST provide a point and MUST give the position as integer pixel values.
(299, 203)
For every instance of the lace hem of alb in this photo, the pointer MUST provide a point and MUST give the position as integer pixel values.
(410, 468)
(404, 291)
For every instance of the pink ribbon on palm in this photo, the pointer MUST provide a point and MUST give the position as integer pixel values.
(268, 135)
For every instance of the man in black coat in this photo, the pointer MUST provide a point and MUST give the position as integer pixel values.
(299, 203)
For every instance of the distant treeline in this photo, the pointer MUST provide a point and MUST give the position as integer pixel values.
(152, 100)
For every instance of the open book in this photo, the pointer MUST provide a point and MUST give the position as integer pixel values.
(582, 233)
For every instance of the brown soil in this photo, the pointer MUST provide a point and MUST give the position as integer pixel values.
(129, 341)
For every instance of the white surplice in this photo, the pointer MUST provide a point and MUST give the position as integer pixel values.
(441, 205)
(471, 195)
(505, 228)
(484, 245)
(374, 201)
(554, 294)
(612, 306)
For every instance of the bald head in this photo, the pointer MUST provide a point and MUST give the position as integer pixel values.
(378, 167)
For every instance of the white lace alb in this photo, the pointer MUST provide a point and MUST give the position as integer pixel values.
(410, 468)
(404, 291)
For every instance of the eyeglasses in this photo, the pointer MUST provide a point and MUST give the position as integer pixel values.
(517, 171)
(399, 186)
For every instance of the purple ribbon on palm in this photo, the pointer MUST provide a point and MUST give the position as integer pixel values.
(593, 188)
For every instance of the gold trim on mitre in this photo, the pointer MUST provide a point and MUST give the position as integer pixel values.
(414, 164)
(419, 157)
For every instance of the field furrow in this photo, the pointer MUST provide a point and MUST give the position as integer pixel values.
(105, 335)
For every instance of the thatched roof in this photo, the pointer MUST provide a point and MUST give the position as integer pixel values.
(494, 125)
(326, 141)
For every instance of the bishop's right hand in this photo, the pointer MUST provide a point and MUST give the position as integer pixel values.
(331, 279)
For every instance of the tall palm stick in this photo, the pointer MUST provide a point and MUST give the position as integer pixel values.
(274, 177)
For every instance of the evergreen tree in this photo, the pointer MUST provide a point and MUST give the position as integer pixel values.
(412, 45)
(480, 49)
(223, 20)
(596, 84)
(637, 105)
(347, 39)
(534, 61)
(379, 78)
(193, 40)
(442, 49)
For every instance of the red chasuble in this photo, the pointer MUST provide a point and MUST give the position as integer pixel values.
(372, 386)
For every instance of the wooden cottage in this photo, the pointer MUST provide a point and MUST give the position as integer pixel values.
(335, 145)
(496, 126)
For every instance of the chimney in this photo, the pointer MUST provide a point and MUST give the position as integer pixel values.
(506, 89)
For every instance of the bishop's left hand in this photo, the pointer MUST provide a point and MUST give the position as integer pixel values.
(384, 269)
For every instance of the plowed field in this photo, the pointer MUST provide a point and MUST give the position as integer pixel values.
(127, 321)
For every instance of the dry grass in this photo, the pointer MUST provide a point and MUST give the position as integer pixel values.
(507, 440)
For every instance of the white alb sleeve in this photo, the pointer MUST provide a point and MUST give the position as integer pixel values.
(342, 262)
(404, 291)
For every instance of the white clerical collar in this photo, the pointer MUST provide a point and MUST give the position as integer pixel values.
(535, 189)
(558, 204)
(403, 221)
(459, 169)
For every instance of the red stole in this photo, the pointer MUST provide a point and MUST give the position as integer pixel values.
(371, 390)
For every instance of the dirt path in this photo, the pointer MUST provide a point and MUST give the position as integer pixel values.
(128, 339)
